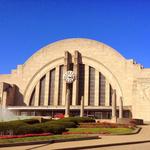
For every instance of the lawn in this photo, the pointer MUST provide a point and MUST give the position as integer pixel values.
(114, 131)
(39, 138)
(101, 130)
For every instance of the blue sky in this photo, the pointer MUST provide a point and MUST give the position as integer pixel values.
(28, 25)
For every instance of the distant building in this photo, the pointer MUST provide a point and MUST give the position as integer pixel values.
(37, 87)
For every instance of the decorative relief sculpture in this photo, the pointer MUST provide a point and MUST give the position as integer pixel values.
(144, 89)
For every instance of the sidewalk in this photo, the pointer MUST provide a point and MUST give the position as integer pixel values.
(143, 136)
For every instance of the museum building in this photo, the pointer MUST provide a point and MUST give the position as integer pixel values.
(106, 84)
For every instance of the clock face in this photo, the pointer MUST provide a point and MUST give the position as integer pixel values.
(69, 76)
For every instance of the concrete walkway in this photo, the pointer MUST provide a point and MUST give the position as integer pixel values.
(143, 136)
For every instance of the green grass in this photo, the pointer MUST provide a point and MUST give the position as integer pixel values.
(39, 138)
(102, 130)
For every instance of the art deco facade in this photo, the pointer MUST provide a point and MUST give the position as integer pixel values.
(37, 87)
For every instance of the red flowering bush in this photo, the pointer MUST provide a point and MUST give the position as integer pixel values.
(60, 116)
(25, 135)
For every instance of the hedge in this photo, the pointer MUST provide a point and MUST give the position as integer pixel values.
(66, 124)
(31, 126)
(19, 127)
(31, 121)
(52, 128)
(11, 125)
(77, 120)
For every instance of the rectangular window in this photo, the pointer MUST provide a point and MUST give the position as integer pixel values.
(91, 86)
(32, 99)
(60, 85)
(81, 82)
(42, 91)
(102, 89)
(51, 87)
(110, 94)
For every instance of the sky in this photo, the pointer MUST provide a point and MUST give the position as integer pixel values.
(28, 25)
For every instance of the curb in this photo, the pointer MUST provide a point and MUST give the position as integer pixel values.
(49, 141)
(136, 131)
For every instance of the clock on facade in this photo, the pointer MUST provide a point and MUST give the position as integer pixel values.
(69, 76)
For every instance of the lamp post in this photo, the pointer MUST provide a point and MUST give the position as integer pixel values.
(69, 78)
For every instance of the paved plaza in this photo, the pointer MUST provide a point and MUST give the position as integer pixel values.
(143, 136)
(144, 146)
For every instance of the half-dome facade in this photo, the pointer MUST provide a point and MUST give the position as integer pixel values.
(108, 84)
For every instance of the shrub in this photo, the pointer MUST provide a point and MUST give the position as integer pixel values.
(52, 128)
(55, 129)
(63, 123)
(68, 124)
(3, 127)
(20, 127)
(77, 120)
(10, 124)
(10, 127)
(39, 128)
(31, 121)
(46, 120)
(24, 129)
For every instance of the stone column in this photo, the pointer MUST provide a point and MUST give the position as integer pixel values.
(96, 102)
(37, 94)
(56, 86)
(5, 90)
(82, 107)
(76, 82)
(114, 117)
(121, 108)
(67, 109)
(86, 86)
(66, 67)
(4, 99)
(47, 81)
(64, 88)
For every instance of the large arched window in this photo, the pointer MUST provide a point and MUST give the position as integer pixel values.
(51, 88)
